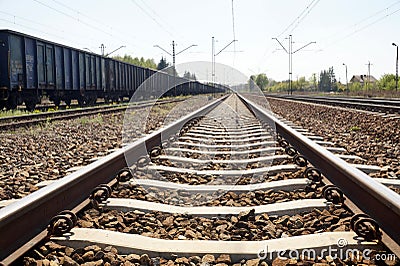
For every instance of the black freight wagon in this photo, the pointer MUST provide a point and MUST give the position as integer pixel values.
(31, 67)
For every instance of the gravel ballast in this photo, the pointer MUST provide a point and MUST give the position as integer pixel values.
(50, 150)
(371, 137)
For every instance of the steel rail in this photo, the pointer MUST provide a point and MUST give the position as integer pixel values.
(30, 119)
(74, 110)
(381, 101)
(23, 223)
(6, 119)
(391, 106)
(46, 105)
(371, 197)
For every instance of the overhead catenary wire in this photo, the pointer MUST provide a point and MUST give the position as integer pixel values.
(164, 21)
(35, 29)
(29, 27)
(300, 17)
(55, 29)
(154, 19)
(233, 32)
(233, 22)
(376, 21)
(113, 30)
(78, 20)
(368, 18)
(81, 14)
(74, 18)
(296, 22)
(376, 13)
(308, 9)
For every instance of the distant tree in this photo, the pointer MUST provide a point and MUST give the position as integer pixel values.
(279, 86)
(324, 82)
(300, 84)
(327, 80)
(261, 81)
(162, 64)
(355, 86)
(313, 81)
(190, 76)
(333, 80)
(271, 82)
(149, 63)
(252, 82)
(341, 87)
(387, 82)
(171, 71)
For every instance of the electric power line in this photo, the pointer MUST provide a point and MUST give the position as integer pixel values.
(113, 30)
(85, 23)
(376, 13)
(233, 22)
(165, 22)
(34, 29)
(72, 17)
(269, 51)
(81, 14)
(368, 25)
(234, 35)
(152, 18)
(56, 29)
(308, 12)
(297, 18)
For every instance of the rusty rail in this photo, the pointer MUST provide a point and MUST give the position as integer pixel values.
(391, 106)
(36, 118)
(23, 223)
(371, 197)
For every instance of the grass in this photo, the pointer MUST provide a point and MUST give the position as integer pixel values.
(12, 113)
(51, 109)
(162, 110)
(17, 112)
(8, 113)
(98, 119)
(355, 128)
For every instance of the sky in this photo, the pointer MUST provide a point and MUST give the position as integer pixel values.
(354, 32)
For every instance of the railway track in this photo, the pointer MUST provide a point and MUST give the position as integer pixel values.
(386, 107)
(10, 122)
(47, 104)
(227, 184)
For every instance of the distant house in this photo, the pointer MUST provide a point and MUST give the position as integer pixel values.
(362, 79)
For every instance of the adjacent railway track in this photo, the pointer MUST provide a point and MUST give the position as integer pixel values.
(229, 183)
(10, 122)
(375, 105)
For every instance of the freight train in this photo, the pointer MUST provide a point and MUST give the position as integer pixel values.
(31, 68)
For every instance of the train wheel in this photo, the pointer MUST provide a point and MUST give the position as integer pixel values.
(2, 105)
(92, 100)
(30, 104)
(57, 102)
(12, 102)
(68, 101)
(81, 101)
